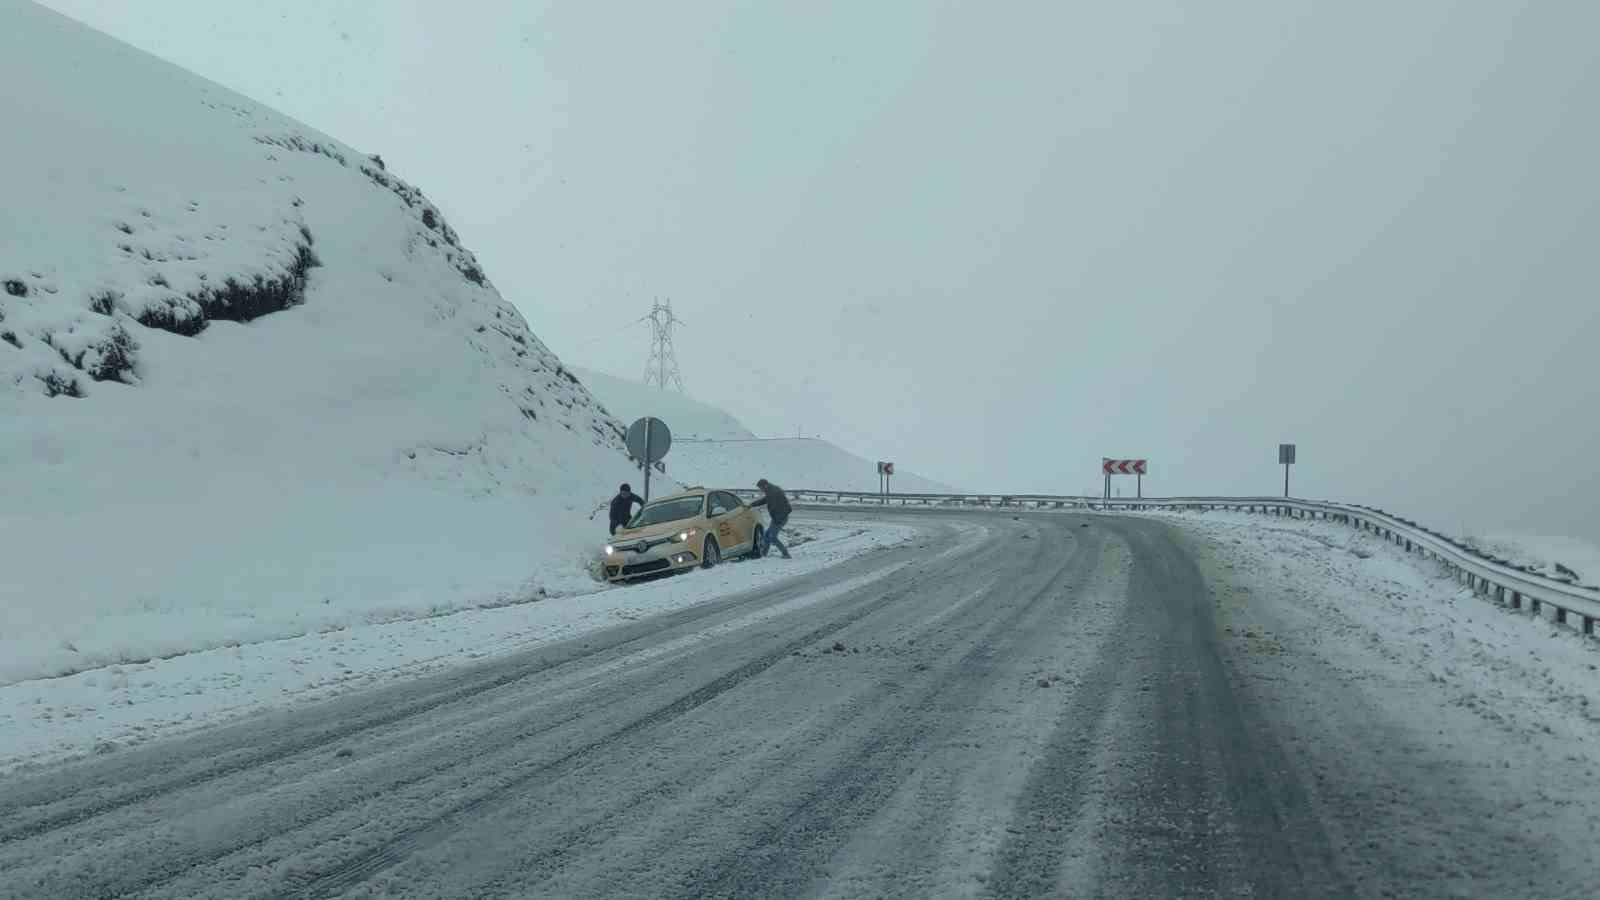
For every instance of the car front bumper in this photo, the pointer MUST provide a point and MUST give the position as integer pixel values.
(625, 564)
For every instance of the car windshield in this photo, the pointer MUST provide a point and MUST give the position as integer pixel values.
(668, 511)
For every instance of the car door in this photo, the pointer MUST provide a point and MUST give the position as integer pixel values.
(747, 519)
(721, 511)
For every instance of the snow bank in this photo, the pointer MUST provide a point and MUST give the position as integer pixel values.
(129, 704)
(712, 448)
(1565, 558)
(251, 383)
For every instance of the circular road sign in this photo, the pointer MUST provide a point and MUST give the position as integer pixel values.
(660, 439)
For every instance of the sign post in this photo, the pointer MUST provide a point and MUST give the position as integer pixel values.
(885, 472)
(648, 441)
(1110, 467)
(1286, 459)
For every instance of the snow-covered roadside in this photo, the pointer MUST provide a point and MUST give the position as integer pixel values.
(49, 719)
(1564, 558)
(1346, 635)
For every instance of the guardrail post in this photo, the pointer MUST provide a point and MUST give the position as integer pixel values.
(1535, 605)
(1588, 625)
(1516, 599)
(1561, 615)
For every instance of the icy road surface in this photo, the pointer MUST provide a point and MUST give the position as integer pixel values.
(1004, 707)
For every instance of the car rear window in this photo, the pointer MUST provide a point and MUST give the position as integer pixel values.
(668, 511)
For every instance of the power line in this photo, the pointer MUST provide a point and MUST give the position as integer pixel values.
(609, 334)
(662, 367)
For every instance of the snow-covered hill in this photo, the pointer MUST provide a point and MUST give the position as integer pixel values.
(689, 418)
(251, 382)
(713, 448)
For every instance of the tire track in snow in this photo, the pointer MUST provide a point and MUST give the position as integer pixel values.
(370, 863)
(787, 854)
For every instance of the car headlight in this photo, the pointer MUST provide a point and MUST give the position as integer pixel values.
(610, 550)
(685, 535)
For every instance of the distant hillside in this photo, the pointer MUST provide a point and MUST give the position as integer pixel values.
(688, 417)
(713, 448)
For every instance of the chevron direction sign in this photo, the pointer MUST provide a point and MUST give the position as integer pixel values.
(1125, 466)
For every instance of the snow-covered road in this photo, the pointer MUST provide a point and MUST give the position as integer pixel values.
(112, 707)
(1002, 706)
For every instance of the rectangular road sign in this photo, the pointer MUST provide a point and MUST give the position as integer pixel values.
(1285, 454)
(1125, 466)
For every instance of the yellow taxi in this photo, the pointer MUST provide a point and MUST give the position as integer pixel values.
(698, 527)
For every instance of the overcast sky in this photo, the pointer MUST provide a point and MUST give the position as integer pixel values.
(997, 241)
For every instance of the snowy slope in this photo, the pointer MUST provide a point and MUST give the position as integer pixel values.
(710, 447)
(251, 383)
(689, 418)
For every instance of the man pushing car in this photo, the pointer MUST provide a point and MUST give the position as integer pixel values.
(777, 504)
(622, 507)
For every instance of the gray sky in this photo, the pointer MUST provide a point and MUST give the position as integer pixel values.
(997, 241)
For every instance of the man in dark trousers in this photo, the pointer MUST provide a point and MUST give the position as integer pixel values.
(622, 507)
(777, 504)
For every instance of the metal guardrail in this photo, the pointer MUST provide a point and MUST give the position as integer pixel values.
(1501, 580)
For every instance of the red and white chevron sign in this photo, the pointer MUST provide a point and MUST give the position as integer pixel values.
(1125, 466)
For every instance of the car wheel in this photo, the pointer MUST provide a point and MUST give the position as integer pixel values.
(758, 543)
(711, 554)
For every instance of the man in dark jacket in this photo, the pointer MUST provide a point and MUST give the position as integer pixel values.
(622, 507)
(777, 504)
